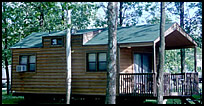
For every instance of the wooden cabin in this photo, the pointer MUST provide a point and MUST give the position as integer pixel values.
(39, 62)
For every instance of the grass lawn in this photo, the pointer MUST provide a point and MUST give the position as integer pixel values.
(173, 101)
(9, 99)
(169, 101)
(150, 101)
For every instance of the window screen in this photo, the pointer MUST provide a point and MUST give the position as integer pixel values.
(23, 60)
(102, 62)
(59, 41)
(32, 59)
(92, 62)
(32, 63)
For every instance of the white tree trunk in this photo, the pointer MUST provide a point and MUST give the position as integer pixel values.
(68, 58)
(112, 53)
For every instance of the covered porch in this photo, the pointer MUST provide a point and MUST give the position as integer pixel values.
(138, 67)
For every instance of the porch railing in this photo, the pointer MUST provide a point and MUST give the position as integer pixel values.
(144, 84)
(180, 84)
(136, 84)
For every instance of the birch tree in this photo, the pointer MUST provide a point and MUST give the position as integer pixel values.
(112, 52)
(161, 57)
(68, 56)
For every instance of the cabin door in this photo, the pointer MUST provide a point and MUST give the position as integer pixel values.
(142, 64)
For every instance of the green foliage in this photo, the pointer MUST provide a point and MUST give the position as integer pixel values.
(82, 13)
(192, 26)
(156, 20)
(20, 19)
(9, 33)
(172, 61)
(9, 99)
(132, 11)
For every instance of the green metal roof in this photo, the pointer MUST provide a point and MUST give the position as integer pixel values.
(34, 40)
(133, 34)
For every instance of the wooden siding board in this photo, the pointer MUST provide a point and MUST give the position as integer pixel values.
(51, 69)
(50, 73)
(89, 83)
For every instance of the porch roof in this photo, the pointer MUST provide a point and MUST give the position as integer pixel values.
(174, 34)
(177, 38)
(132, 34)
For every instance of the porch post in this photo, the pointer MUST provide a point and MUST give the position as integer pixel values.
(196, 79)
(195, 59)
(118, 70)
(154, 71)
(154, 57)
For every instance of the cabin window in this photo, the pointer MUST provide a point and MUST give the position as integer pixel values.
(92, 62)
(102, 61)
(96, 62)
(23, 60)
(56, 41)
(29, 61)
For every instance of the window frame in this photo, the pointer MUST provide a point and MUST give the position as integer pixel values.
(97, 61)
(28, 61)
(57, 45)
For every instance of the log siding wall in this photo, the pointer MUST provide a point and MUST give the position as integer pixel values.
(50, 74)
(83, 82)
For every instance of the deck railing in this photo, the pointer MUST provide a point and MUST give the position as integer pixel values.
(144, 84)
(136, 84)
(180, 84)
